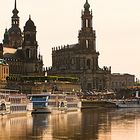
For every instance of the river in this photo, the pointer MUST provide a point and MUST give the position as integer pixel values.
(101, 124)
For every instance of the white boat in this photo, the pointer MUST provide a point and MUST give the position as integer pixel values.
(40, 102)
(55, 103)
(128, 103)
(13, 102)
(64, 102)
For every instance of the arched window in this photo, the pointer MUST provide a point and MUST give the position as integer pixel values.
(28, 37)
(87, 43)
(28, 53)
(89, 86)
(87, 23)
(88, 63)
(62, 104)
(2, 107)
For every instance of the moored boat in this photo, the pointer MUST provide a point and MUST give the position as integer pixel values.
(55, 103)
(40, 102)
(13, 102)
(128, 103)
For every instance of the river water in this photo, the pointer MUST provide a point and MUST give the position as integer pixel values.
(101, 124)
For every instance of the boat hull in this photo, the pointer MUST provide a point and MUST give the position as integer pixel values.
(128, 104)
(41, 110)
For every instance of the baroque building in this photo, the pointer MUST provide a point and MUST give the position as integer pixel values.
(20, 49)
(81, 59)
(121, 81)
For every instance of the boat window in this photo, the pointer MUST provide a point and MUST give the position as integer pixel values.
(2, 106)
(62, 104)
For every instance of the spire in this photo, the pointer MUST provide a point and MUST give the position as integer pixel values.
(6, 30)
(15, 11)
(29, 16)
(86, 35)
(86, 5)
(6, 37)
(15, 17)
(15, 4)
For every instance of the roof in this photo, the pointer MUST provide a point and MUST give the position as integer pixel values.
(72, 45)
(12, 53)
(14, 29)
(121, 74)
(9, 50)
(29, 25)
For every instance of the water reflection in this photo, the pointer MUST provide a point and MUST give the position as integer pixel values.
(41, 127)
(15, 128)
(116, 124)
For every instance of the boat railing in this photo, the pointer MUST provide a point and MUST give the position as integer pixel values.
(8, 91)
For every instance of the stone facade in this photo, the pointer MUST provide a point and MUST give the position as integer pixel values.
(81, 59)
(4, 72)
(121, 81)
(20, 49)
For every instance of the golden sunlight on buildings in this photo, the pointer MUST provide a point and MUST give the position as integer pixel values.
(4, 72)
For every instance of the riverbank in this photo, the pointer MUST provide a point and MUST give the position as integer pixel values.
(86, 104)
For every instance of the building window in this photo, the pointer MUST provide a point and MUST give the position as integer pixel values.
(7, 71)
(88, 63)
(72, 61)
(4, 70)
(28, 37)
(87, 43)
(87, 23)
(112, 84)
(89, 86)
(28, 53)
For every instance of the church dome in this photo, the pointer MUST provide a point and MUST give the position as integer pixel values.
(14, 30)
(29, 25)
(86, 5)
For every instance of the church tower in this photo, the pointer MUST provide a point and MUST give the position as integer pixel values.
(19, 49)
(34, 63)
(87, 38)
(6, 37)
(81, 59)
(13, 37)
(29, 43)
(15, 17)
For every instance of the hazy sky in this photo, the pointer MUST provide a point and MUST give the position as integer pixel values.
(117, 25)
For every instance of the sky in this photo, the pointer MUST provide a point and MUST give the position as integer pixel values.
(117, 25)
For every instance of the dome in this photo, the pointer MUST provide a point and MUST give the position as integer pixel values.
(15, 11)
(29, 25)
(14, 30)
(86, 5)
